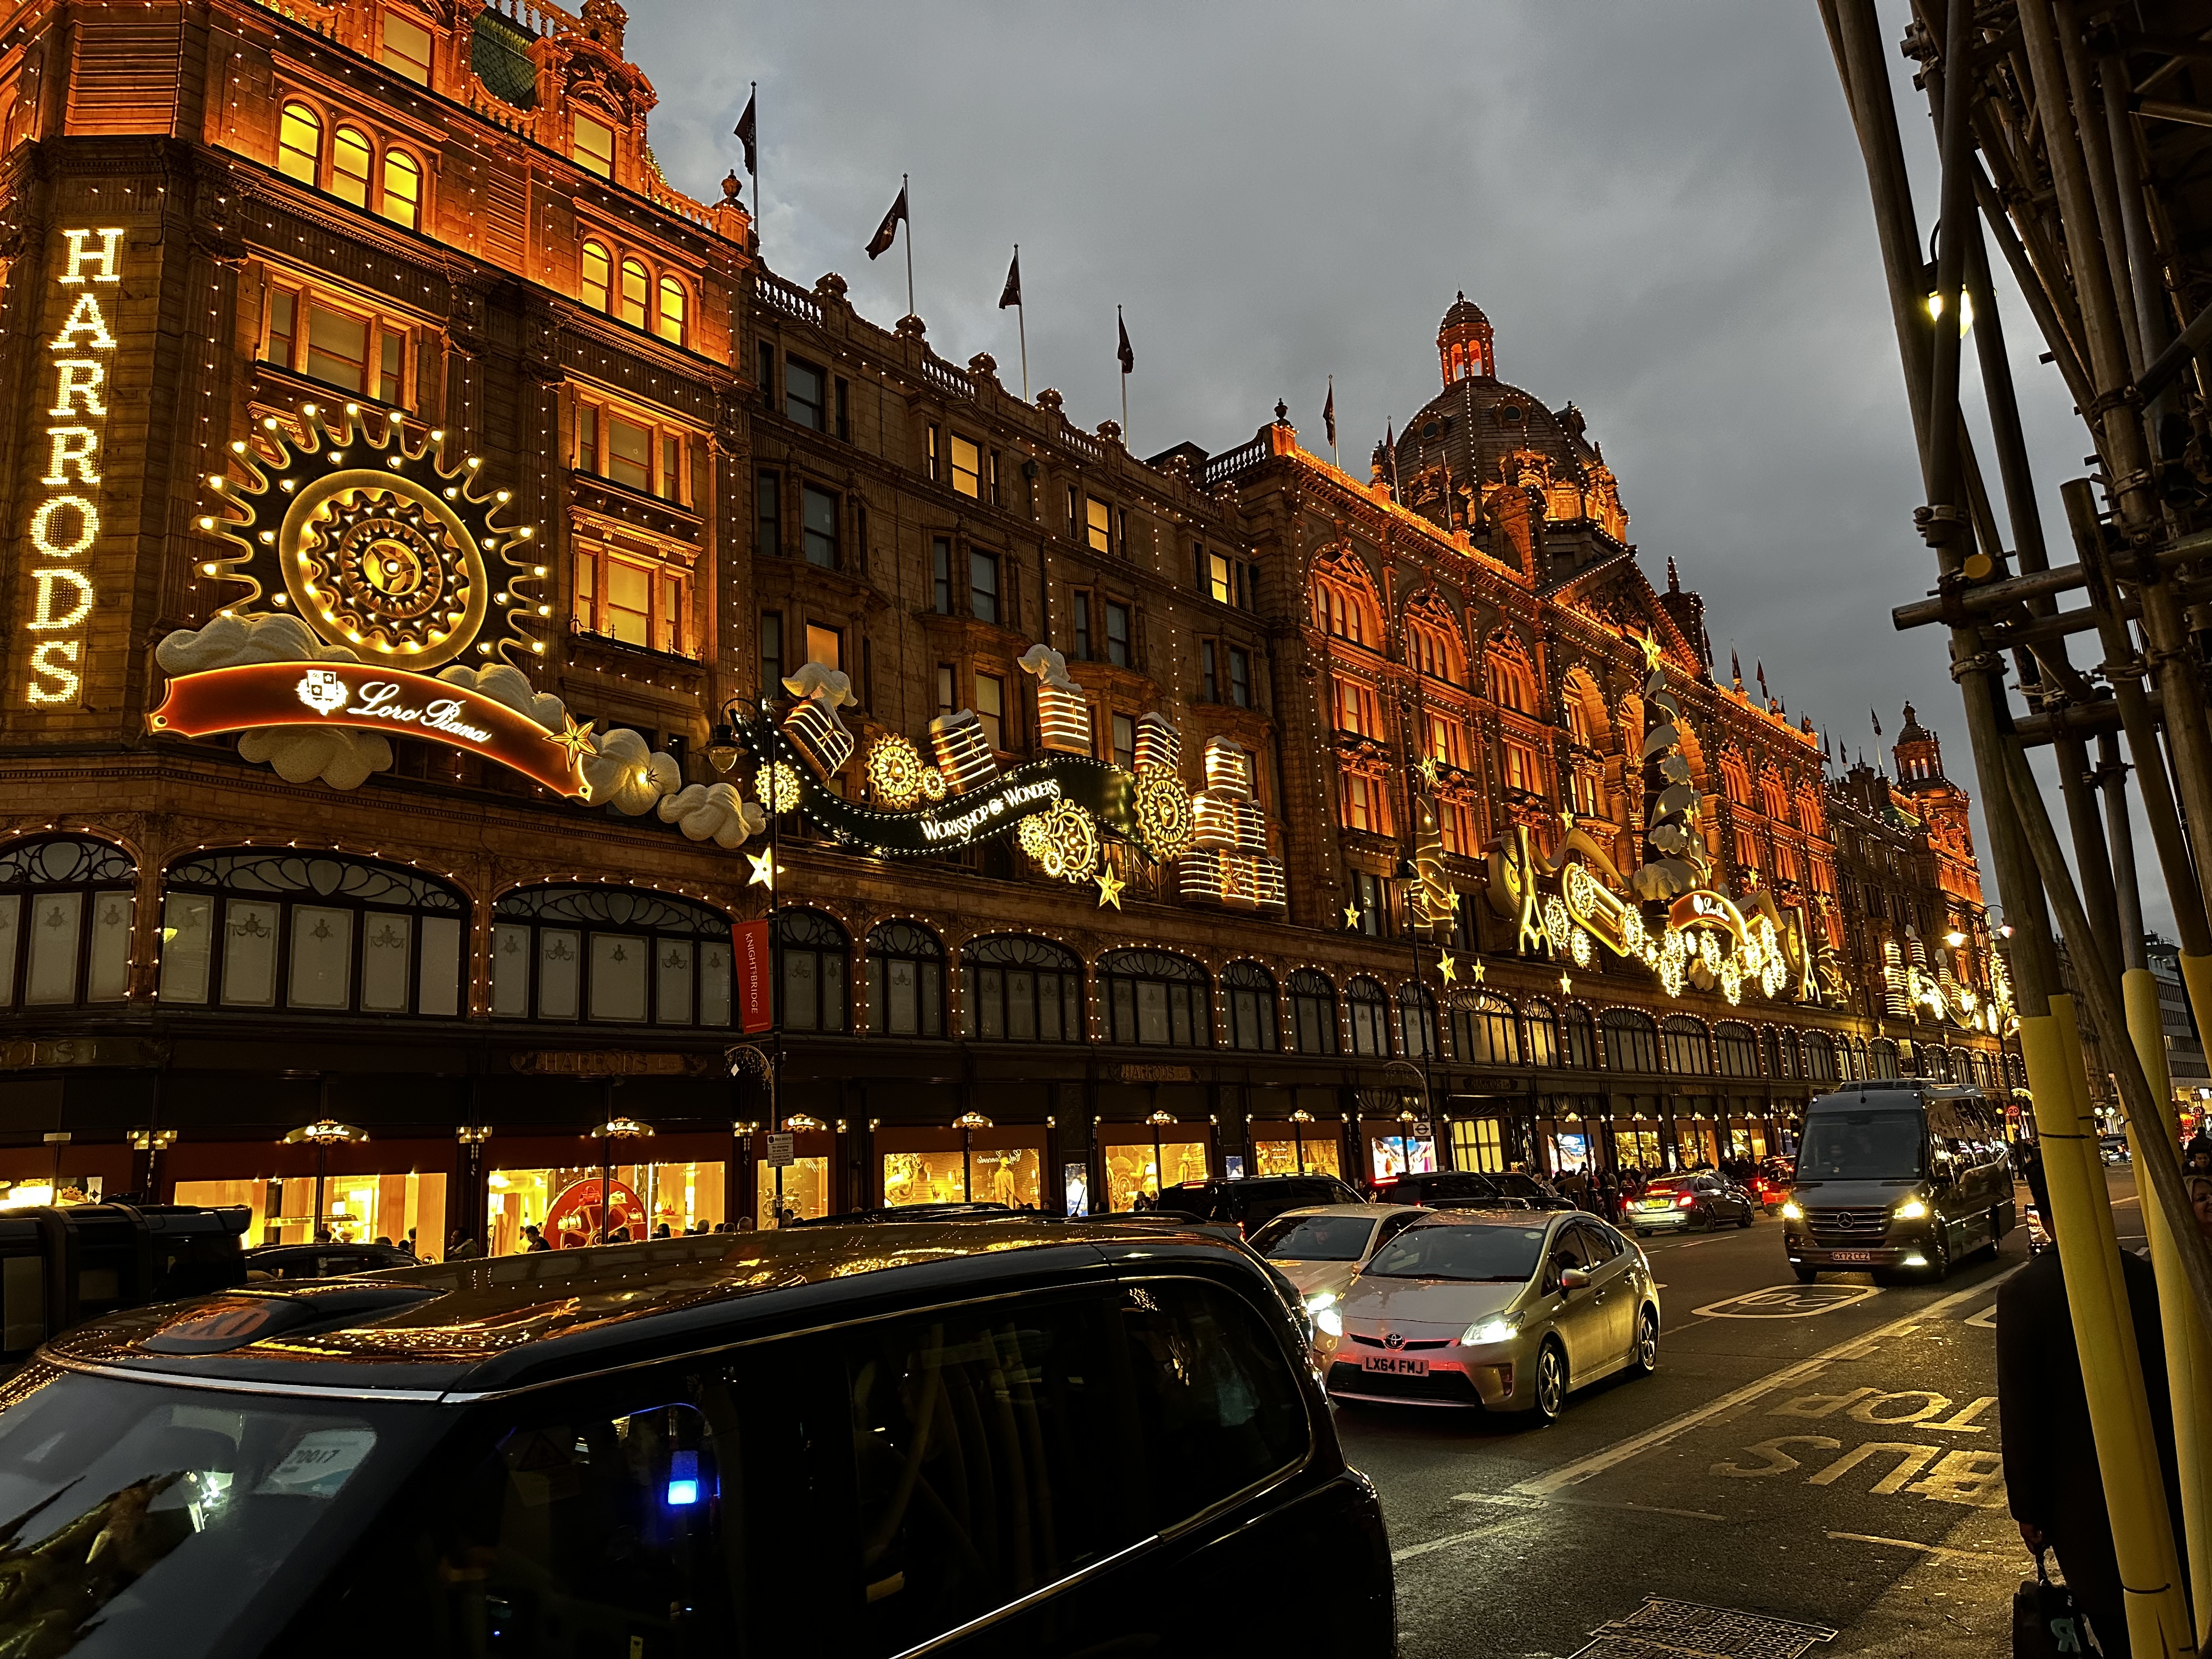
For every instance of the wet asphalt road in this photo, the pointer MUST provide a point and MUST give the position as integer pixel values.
(1826, 1455)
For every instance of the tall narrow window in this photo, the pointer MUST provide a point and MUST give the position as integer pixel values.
(350, 158)
(941, 557)
(630, 602)
(299, 144)
(586, 607)
(597, 276)
(825, 645)
(944, 703)
(1098, 523)
(1217, 578)
(1209, 679)
(1117, 634)
(668, 620)
(1074, 514)
(669, 483)
(967, 467)
(587, 437)
(802, 393)
(768, 508)
(1125, 740)
(991, 708)
(771, 653)
(403, 189)
(595, 146)
(406, 48)
(391, 365)
(983, 586)
(1083, 625)
(283, 327)
(844, 408)
(1240, 676)
(819, 522)
(672, 310)
(634, 289)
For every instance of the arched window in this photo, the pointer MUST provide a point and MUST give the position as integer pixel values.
(299, 144)
(1881, 1059)
(1630, 1043)
(1781, 1052)
(1774, 799)
(1022, 990)
(1735, 782)
(65, 911)
(1820, 1057)
(905, 982)
(1432, 647)
(351, 157)
(635, 287)
(1484, 1029)
(1344, 604)
(314, 932)
(1157, 999)
(1512, 682)
(818, 965)
(1371, 1031)
(612, 955)
(1542, 1026)
(1683, 1039)
(1577, 1039)
(1935, 1063)
(671, 322)
(1584, 710)
(1738, 1047)
(1313, 1011)
(1250, 989)
(403, 189)
(596, 276)
(1417, 1021)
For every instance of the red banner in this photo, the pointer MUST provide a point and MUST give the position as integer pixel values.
(756, 991)
(371, 696)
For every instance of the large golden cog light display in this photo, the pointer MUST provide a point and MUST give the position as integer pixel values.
(1164, 823)
(376, 546)
(1064, 841)
(897, 774)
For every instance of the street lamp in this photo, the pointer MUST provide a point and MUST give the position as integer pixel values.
(624, 1129)
(1299, 1119)
(323, 1134)
(1159, 1120)
(968, 1124)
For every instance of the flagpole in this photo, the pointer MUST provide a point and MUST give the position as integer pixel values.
(1123, 328)
(753, 154)
(903, 188)
(1334, 459)
(1022, 326)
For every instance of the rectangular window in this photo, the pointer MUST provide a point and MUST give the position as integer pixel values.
(765, 374)
(860, 534)
(983, 586)
(967, 467)
(586, 608)
(1219, 584)
(802, 394)
(1125, 741)
(1099, 522)
(1074, 514)
(1117, 634)
(771, 653)
(284, 328)
(1240, 676)
(587, 437)
(1356, 711)
(391, 356)
(669, 486)
(406, 48)
(1372, 910)
(993, 479)
(630, 452)
(991, 708)
(299, 144)
(768, 506)
(1208, 678)
(630, 602)
(819, 522)
(944, 702)
(935, 456)
(1521, 769)
(668, 621)
(595, 146)
(338, 348)
(844, 410)
(941, 557)
(825, 645)
(1083, 626)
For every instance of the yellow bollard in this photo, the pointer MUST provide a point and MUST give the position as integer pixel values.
(2188, 1352)
(2104, 1336)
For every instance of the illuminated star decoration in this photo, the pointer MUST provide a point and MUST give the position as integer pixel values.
(1352, 915)
(1448, 965)
(764, 870)
(577, 739)
(1566, 985)
(1476, 968)
(1109, 889)
(1652, 653)
(1428, 770)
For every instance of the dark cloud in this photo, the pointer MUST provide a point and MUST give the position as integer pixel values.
(1661, 208)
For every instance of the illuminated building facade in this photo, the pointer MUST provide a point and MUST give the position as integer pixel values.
(463, 607)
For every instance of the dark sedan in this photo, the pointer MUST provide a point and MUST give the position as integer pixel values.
(1677, 1203)
(324, 1261)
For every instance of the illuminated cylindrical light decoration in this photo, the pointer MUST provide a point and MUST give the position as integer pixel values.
(816, 732)
(1228, 769)
(1063, 717)
(962, 749)
(1158, 744)
(1202, 875)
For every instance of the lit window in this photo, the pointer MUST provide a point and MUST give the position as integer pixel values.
(1218, 581)
(391, 364)
(672, 310)
(1357, 710)
(597, 276)
(634, 291)
(403, 189)
(991, 708)
(406, 48)
(825, 645)
(338, 348)
(299, 144)
(630, 602)
(284, 328)
(630, 452)
(1099, 524)
(595, 147)
(586, 608)
(350, 158)
(672, 614)
(967, 468)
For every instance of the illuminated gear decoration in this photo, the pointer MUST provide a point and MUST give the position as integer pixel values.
(897, 773)
(1165, 824)
(375, 545)
(1063, 841)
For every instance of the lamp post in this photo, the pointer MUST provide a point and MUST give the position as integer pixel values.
(1159, 1120)
(471, 1137)
(323, 1134)
(1299, 1119)
(624, 1129)
(797, 1123)
(968, 1124)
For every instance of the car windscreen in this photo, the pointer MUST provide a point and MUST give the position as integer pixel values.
(1482, 1253)
(1872, 1145)
(135, 1514)
(1315, 1237)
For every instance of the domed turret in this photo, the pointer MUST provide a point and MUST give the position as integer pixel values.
(1465, 343)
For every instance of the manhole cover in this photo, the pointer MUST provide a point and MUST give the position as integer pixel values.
(1686, 1630)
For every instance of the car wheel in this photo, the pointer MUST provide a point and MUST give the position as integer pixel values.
(1744, 1220)
(1548, 1391)
(1643, 1358)
(1805, 1275)
(1939, 1256)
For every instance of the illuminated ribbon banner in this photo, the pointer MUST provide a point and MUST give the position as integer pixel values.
(372, 696)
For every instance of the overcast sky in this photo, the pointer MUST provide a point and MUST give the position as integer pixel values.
(1660, 207)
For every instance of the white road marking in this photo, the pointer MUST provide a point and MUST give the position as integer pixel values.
(1634, 1445)
(1987, 1319)
(1788, 1302)
(1450, 1539)
(1584, 1504)
(1986, 1558)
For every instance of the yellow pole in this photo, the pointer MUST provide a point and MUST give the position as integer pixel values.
(2188, 1352)
(2104, 1336)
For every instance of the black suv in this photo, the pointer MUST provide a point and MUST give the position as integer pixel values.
(1250, 1201)
(1509, 1189)
(973, 1438)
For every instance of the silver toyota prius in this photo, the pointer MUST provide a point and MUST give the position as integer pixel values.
(1502, 1309)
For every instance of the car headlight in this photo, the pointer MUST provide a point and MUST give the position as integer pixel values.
(1498, 1328)
(1321, 1299)
(1792, 1210)
(1913, 1209)
(1330, 1322)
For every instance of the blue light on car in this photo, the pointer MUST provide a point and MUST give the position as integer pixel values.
(682, 1479)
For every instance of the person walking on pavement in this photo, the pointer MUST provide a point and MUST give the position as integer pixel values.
(2052, 1482)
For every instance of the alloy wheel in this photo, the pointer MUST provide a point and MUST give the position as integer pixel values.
(1645, 1359)
(1551, 1385)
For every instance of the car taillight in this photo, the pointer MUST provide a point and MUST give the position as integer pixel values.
(1684, 1202)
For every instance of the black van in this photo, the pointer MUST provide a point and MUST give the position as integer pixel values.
(961, 1438)
(62, 1263)
(1897, 1175)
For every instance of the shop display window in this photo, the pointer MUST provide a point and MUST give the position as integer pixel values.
(1136, 1168)
(357, 1209)
(566, 1204)
(1479, 1142)
(1637, 1148)
(1316, 1155)
(1392, 1156)
(805, 1191)
(1569, 1152)
(1012, 1176)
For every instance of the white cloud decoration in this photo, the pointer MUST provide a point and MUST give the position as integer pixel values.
(343, 757)
(830, 687)
(629, 776)
(510, 686)
(715, 812)
(1049, 666)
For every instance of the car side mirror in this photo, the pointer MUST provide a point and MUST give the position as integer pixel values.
(1573, 1279)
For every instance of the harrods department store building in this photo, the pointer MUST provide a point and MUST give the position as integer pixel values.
(491, 670)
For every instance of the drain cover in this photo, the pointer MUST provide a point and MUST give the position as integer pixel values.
(1686, 1630)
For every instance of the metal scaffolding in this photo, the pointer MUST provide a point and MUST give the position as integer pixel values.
(2077, 139)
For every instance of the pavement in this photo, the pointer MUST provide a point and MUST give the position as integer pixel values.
(1824, 1455)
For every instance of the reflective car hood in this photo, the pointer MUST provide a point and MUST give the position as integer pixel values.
(1312, 1278)
(1427, 1301)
